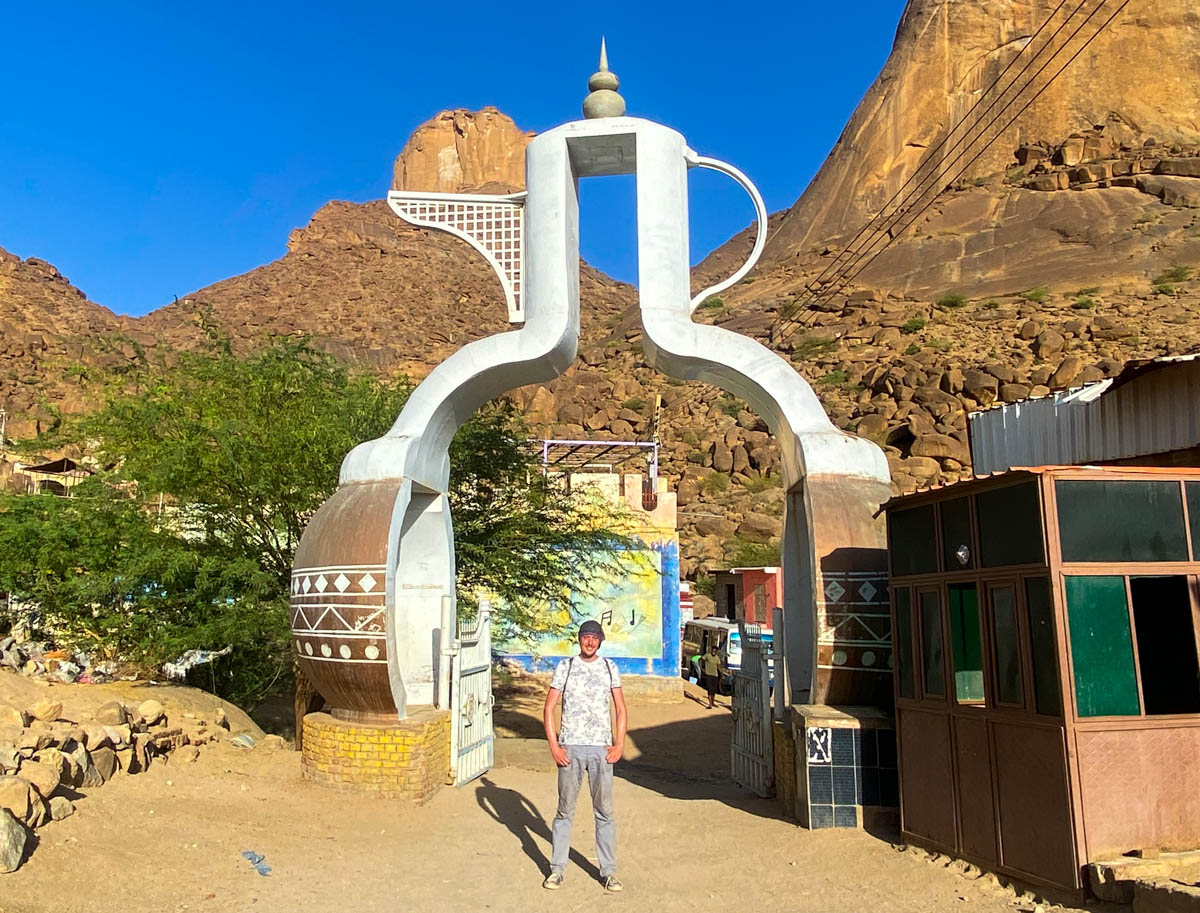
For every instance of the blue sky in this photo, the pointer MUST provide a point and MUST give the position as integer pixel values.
(149, 150)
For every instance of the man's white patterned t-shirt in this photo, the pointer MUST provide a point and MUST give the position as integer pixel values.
(585, 703)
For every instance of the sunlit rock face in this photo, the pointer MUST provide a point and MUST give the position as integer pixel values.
(464, 151)
(1137, 80)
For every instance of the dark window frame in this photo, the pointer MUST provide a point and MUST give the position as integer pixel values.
(1024, 653)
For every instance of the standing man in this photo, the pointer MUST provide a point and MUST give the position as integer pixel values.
(585, 743)
(710, 666)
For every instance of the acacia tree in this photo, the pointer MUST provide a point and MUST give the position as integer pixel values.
(217, 462)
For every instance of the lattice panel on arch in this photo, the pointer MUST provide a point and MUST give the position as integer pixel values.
(495, 226)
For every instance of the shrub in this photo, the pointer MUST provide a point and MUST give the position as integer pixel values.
(730, 405)
(712, 303)
(742, 552)
(912, 349)
(811, 347)
(1174, 274)
(1164, 288)
(714, 483)
(1037, 294)
(941, 345)
(1085, 303)
(762, 483)
(636, 404)
(912, 325)
(1015, 176)
(952, 300)
(1090, 290)
(834, 378)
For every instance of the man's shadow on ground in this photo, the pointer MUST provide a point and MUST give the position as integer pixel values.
(525, 822)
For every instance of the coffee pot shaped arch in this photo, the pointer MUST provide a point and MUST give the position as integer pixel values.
(374, 650)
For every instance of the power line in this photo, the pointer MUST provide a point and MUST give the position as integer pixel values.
(895, 233)
(887, 229)
(898, 214)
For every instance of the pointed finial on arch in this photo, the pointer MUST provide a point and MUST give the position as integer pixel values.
(603, 99)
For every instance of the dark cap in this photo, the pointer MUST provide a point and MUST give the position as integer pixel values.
(592, 627)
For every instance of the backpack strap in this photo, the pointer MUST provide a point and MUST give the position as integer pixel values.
(570, 665)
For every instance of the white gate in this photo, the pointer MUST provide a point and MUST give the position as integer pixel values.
(471, 744)
(752, 752)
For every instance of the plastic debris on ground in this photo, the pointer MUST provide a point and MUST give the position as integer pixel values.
(177, 669)
(258, 861)
(242, 740)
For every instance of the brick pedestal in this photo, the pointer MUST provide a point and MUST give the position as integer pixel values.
(405, 759)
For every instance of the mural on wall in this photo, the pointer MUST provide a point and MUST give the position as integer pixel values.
(627, 600)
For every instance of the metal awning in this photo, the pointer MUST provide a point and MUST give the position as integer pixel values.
(602, 456)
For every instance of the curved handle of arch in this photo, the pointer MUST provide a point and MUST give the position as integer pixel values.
(760, 211)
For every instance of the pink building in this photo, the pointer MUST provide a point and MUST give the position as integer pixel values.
(748, 594)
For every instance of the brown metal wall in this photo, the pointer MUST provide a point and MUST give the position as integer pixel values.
(926, 790)
(1140, 788)
(1033, 802)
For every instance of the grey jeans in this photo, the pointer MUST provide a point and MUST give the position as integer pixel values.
(590, 758)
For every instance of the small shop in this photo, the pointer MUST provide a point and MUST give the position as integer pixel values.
(1045, 629)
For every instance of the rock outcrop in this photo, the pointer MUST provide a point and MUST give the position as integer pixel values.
(464, 151)
(1135, 80)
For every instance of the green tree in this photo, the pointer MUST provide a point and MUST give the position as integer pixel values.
(217, 462)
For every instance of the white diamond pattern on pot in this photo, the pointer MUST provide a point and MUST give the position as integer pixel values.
(834, 591)
(367, 582)
(321, 583)
(867, 591)
(340, 582)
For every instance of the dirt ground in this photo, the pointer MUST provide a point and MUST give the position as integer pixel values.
(171, 839)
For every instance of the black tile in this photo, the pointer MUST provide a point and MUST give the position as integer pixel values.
(868, 789)
(845, 786)
(889, 788)
(887, 747)
(820, 816)
(868, 756)
(820, 785)
(843, 746)
(845, 816)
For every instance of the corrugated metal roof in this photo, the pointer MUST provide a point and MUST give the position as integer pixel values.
(1152, 406)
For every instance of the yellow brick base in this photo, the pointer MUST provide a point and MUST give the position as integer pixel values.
(407, 759)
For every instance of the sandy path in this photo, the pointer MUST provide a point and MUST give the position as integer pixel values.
(171, 839)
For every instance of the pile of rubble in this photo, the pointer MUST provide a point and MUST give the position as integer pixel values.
(45, 759)
(36, 659)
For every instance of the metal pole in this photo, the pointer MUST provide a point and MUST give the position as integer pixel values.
(446, 652)
(778, 652)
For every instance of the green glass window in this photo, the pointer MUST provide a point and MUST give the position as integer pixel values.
(1010, 526)
(1101, 647)
(966, 642)
(1126, 520)
(1043, 647)
(931, 644)
(912, 542)
(956, 534)
(902, 642)
(1006, 637)
(1193, 503)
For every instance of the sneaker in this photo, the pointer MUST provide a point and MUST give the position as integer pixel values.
(553, 881)
(613, 884)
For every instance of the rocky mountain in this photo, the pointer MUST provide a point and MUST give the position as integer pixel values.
(464, 151)
(1133, 82)
(1067, 249)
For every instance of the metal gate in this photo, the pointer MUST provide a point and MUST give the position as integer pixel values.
(752, 752)
(471, 740)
